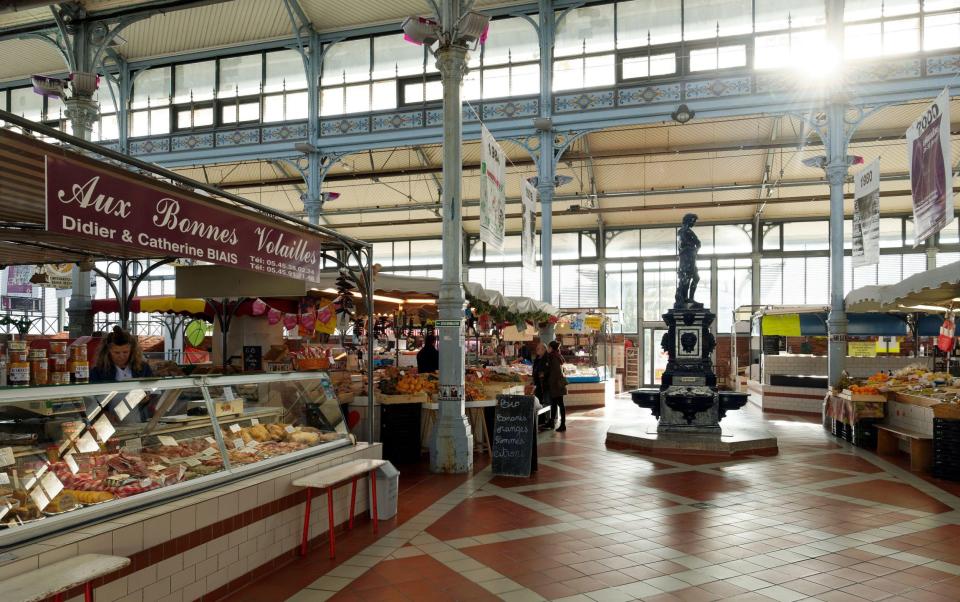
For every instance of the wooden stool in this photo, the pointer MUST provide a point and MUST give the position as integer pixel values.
(331, 478)
(921, 445)
(59, 577)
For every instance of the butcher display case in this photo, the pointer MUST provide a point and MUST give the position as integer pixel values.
(75, 454)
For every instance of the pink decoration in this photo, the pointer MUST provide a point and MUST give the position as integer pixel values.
(290, 321)
(259, 307)
(325, 314)
(308, 321)
(273, 316)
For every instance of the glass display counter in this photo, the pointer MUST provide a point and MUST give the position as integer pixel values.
(81, 453)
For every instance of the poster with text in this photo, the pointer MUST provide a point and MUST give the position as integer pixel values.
(528, 251)
(931, 172)
(866, 216)
(492, 195)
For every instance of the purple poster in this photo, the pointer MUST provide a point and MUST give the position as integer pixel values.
(928, 150)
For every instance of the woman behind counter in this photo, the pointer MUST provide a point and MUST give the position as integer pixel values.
(119, 358)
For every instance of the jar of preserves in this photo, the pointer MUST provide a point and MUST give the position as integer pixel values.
(18, 374)
(78, 353)
(81, 373)
(58, 347)
(39, 371)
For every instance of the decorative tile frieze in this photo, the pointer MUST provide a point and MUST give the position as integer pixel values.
(584, 101)
(238, 137)
(292, 131)
(714, 88)
(943, 65)
(511, 108)
(150, 145)
(346, 125)
(191, 141)
(885, 71)
(642, 95)
(397, 121)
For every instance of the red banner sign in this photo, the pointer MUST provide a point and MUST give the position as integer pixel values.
(98, 205)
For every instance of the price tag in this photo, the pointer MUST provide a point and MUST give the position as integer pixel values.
(289, 429)
(211, 440)
(146, 483)
(121, 410)
(254, 421)
(39, 498)
(192, 462)
(156, 467)
(228, 394)
(134, 445)
(135, 397)
(86, 444)
(4, 478)
(208, 453)
(167, 440)
(104, 429)
(71, 463)
(51, 484)
(234, 428)
(6, 456)
(238, 443)
(251, 443)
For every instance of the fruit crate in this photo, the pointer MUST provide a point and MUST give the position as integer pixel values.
(864, 434)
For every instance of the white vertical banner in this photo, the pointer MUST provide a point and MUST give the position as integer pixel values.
(493, 201)
(528, 251)
(866, 216)
(931, 169)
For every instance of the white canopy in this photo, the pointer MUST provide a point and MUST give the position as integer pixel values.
(933, 290)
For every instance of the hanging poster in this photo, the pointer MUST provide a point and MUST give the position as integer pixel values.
(59, 275)
(528, 252)
(493, 199)
(931, 170)
(866, 216)
(18, 281)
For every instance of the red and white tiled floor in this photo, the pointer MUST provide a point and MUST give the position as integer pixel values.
(820, 521)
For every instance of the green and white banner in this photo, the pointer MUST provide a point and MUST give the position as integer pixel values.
(866, 216)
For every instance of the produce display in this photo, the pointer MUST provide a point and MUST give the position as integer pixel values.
(399, 382)
(915, 380)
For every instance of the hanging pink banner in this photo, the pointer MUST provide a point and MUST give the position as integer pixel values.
(273, 317)
(259, 308)
(290, 321)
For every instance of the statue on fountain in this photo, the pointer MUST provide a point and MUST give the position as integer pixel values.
(688, 276)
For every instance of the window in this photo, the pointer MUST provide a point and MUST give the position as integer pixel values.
(658, 241)
(805, 236)
(771, 237)
(712, 18)
(194, 85)
(624, 244)
(772, 15)
(421, 90)
(941, 31)
(395, 57)
(860, 10)
(731, 239)
(585, 30)
(151, 89)
(26, 103)
(383, 253)
(585, 72)
(621, 290)
(637, 66)
(659, 285)
(947, 258)
(791, 49)
(426, 252)
(721, 57)
(284, 87)
(240, 76)
(575, 286)
(511, 40)
(648, 22)
(734, 288)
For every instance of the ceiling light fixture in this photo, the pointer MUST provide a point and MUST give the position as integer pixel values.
(683, 114)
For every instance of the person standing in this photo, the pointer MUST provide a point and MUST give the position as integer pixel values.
(556, 384)
(540, 375)
(428, 359)
(119, 358)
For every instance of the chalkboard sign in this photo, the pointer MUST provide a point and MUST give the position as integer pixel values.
(514, 430)
(252, 358)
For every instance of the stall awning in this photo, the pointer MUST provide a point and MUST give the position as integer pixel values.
(195, 308)
(932, 291)
(814, 324)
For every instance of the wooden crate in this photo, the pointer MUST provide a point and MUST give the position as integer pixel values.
(409, 398)
(851, 396)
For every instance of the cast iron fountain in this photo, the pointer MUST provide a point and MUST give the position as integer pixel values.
(688, 402)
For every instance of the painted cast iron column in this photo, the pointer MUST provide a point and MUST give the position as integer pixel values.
(451, 443)
(546, 168)
(837, 167)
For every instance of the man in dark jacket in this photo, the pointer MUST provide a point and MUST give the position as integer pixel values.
(428, 359)
(556, 384)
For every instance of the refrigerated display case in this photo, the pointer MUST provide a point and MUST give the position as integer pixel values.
(85, 453)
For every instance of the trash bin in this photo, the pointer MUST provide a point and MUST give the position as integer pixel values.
(388, 484)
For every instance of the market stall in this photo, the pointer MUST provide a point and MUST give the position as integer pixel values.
(791, 372)
(589, 355)
(75, 453)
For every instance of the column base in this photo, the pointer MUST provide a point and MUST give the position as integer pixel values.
(451, 446)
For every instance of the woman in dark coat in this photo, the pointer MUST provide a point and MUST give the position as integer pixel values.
(556, 384)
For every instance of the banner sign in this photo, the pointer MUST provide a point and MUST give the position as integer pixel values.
(493, 200)
(931, 170)
(18, 281)
(528, 240)
(94, 204)
(866, 216)
(59, 275)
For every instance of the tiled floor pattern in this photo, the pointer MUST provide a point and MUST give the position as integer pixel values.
(820, 521)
